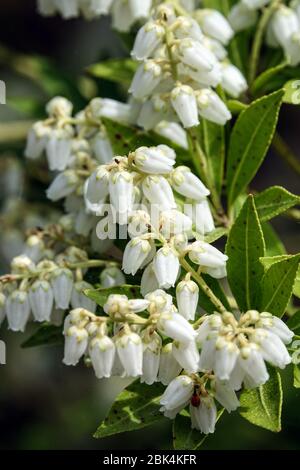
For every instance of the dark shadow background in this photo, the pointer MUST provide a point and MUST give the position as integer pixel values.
(43, 404)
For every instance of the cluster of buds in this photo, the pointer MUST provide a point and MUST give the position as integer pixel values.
(182, 59)
(283, 29)
(50, 285)
(160, 207)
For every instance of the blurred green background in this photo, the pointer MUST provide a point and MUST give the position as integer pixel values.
(43, 404)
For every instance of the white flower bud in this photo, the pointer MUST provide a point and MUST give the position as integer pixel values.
(195, 55)
(100, 7)
(62, 285)
(208, 257)
(68, 8)
(140, 10)
(17, 310)
(241, 17)
(168, 366)
(76, 341)
(149, 282)
(151, 357)
(211, 107)
(158, 191)
(188, 27)
(284, 23)
(130, 351)
(183, 100)
(58, 149)
(147, 40)
(79, 299)
(166, 267)
(176, 327)
(96, 189)
(233, 81)
(155, 160)
(173, 132)
(37, 140)
(102, 148)
(152, 112)
(139, 223)
(173, 222)
(201, 216)
(59, 107)
(214, 24)
(63, 184)
(177, 393)
(111, 109)
(255, 4)
(111, 277)
(187, 295)
(188, 184)
(46, 7)
(136, 253)
(187, 355)
(146, 78)
(102, 353)
(34, 248)
(121, 193)
(272, 348)
(204, 417)
(41, 300)
(122, 16)
(22, 264)
(250, 367)
(276, 326)
(226, 395)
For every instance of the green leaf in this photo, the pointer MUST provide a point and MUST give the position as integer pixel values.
(213, 144)
(273, 201)
(264, 78)
(278, 283)
(186, 438)
(216, 234)
(100, 295)
(215, 286)
(296, 381)
(135, 408)
(268, 261)
(235, 106)
(249, 142)
(45, 335)
(262, 406)
(245, 246)
(292, 92)
(274, 245)
(294, 323)
(116, 70)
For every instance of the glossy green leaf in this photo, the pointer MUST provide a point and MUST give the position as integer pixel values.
(262, 406)
(296, 381)
(45, 335)
(278, 283)
(100, 295)
(268, 261)
(213, 144)
(245, 246)
(186, 438)
(235, 106)
(216, 234)
(274, 245)
(249, 142)
(274, 201)
(294, 323)
(116, 70)
(266, 76)
(135, 408)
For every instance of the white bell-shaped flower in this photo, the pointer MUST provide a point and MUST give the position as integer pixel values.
(188, 27)
(284, 23)
(276, 326)
(211, 107)
(184, 102)
(34, 248)
(204, 416)
(17, 310)
(151, 357)
(96, 189)
(195, 55)
(226, 355)
(169, 368)
(46, 7)
(101, 7)
(41, 300)
(58, 149)
(130, 351)
(148, 38)
(136, 252)
(188, 184)
(76, 342)
(146, 78)
(225, 395)
(241, 17)
(79, 299)
(176, 327)
(214, 24)
(173, 132)
(59, 107)
(272, 348)
(37, 140)
(111, 277)
(187, 295)
(250, 368)
(177, 393)
(63, 184)
(187, 355)
(201, 216)
(155, 160)
(111, 109)
(149, 282)
(68, 8)
(166, 267)
(173, 222)
(158, 191)
(208, 257)
(102, 353)
(140, 10)
(102, 148)
(233, 81)
(121, 192)
(255, 4)
(62, 285)
(138, 223)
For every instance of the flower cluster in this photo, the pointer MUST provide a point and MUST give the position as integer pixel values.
(198, 364)
(283, 29)
(182, 58)
(124, 12)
